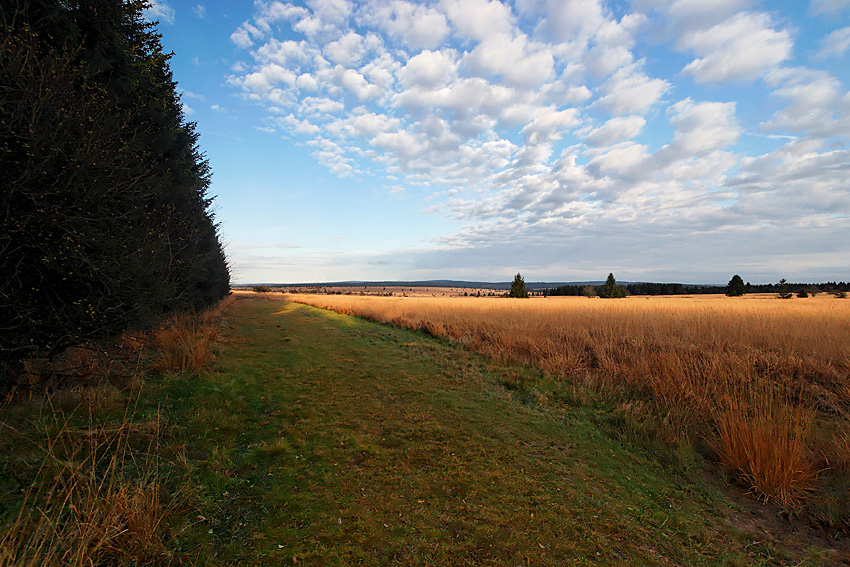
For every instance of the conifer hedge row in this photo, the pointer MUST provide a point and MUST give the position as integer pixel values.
(105, 217)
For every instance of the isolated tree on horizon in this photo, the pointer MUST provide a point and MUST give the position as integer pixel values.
(518, 288)
(735, 287)
(783, 290)
(611, 289)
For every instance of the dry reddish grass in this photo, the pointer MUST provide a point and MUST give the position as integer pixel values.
(96, 501)
(750, 374)
(187, 341)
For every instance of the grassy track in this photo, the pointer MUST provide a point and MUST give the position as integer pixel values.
(322, 439)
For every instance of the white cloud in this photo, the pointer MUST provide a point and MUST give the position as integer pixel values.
(331, 11)
(618, 158)
(356, 84)
(700, 129)
(345, 51)
(478, 19)
(816, 106)
(630, 91)
(835, 44)
(571, 20)
(739, 48)
(548, 125)
(160, 10)
(315, 105)
(200, 10)
(512, 58)
(430, 69)
(615, 130)
(420, 27)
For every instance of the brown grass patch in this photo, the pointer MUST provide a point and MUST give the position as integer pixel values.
(186, 343)
(763, 438)
(96, 500)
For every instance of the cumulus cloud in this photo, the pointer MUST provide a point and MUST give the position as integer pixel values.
(630, 91)
(414, 25)
(534, 118)
(615, 130)
(702, 127)
(478, 19)
(816, 105)
(512, 58)
(429, 69)
(741, 47)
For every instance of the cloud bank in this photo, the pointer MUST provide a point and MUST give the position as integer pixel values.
(567, 124)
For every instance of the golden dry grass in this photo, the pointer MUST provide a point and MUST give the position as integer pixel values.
(753, 375)
(187, 341)
(96, 501)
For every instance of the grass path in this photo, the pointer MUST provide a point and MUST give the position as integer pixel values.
(321, 439)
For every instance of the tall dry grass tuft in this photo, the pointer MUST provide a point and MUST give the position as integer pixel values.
(762, 438)
(187, 342)
(97, 500)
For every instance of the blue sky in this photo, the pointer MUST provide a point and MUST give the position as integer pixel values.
(682, 140)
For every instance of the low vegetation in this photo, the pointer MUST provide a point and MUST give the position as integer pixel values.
(316, 438)
(762, 384)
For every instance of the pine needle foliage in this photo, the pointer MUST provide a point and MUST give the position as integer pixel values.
(518, 288)
(106, 222)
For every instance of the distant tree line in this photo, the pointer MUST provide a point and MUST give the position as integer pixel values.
(827, 287)
(642, 288)
(648, 288)
(105, 219)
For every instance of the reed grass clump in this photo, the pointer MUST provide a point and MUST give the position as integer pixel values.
(187, 342)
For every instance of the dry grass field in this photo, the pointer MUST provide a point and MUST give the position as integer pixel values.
(763, 383)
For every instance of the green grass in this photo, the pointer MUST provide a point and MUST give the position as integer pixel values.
(321, 439)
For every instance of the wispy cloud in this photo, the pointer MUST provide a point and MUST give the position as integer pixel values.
(835, 44)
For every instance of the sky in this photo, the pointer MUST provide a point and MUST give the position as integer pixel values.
(669, 141)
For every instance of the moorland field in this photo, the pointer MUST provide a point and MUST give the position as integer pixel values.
(440, 431)
(761, 383)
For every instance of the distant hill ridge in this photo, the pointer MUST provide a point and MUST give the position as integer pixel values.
(452, 283)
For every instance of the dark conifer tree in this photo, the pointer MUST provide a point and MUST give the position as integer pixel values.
(518, 288)
(611, 289)
(735, 287)
(105, 221)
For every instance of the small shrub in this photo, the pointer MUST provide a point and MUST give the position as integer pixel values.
(262, 289)
(841, 295)
(802, 293)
